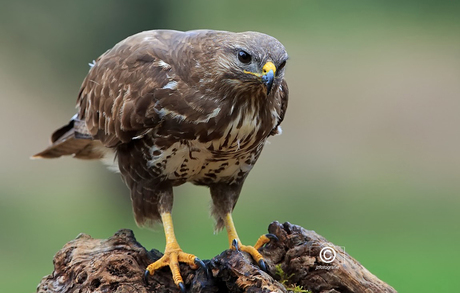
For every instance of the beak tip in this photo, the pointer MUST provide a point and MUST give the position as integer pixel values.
(268, 79)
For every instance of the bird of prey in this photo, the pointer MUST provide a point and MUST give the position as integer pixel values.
(176, 107)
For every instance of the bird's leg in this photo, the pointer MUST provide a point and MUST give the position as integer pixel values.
(173, 255)
(235, 243)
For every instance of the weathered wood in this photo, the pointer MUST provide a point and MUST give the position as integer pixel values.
(117, 264)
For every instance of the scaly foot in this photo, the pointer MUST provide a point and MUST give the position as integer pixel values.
(234, 242)
(253, 250)
(171, 258)
(173, 255)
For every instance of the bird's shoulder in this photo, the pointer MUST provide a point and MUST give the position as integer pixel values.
(139, 83)
(281, 101)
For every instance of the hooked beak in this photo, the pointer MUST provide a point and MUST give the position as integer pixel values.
(268, 75)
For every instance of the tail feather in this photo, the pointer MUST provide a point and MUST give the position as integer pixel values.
(73, 139)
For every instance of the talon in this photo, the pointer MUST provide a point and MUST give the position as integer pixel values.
(182, 287)
(264, 239)
(271, 237)
(263, 265)
(146, 277)
(200, 263)
(235, 245)
(252, 250)
(172, 256)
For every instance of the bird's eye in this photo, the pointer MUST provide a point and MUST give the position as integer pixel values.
(244, 57)
(281, 66)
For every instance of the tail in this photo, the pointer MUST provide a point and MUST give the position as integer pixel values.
(74, 140)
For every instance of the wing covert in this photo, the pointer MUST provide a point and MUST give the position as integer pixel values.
(119, 99)
(282, 96)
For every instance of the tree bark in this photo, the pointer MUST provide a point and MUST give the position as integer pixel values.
(299, 260)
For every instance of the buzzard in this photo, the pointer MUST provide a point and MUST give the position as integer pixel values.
(171, 107)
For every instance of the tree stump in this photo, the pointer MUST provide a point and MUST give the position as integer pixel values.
(300, 260)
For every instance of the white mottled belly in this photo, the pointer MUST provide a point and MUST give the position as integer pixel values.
(223, 159)
(192, 161)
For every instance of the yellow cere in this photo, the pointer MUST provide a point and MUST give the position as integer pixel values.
(267, 67)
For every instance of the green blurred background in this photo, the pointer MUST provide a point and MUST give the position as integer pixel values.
(369, 157)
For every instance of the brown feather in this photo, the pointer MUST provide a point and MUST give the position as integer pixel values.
(73, 139)
(179, 107)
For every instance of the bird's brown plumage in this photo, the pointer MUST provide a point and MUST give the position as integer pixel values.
(179, 107)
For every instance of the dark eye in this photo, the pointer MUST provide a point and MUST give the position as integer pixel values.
(244, 57)
(281, 66)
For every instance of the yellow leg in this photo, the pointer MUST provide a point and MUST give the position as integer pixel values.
(231, 230)
(173, 255)
(235, 243)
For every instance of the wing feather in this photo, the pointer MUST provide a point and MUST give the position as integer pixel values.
(135, 86)
(282, 97)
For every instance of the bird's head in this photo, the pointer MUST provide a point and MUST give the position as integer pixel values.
(250, 62)
(253, 61)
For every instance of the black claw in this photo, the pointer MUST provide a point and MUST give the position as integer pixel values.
(182, 287)
(236, 245)
(201, 264)
(271, 237)
(263, 265)
(146, 277)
